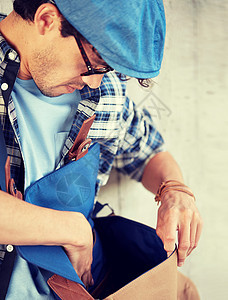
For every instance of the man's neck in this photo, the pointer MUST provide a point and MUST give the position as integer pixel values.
(11, 30)
(8, 29)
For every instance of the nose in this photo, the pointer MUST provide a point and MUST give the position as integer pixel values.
(93, 81)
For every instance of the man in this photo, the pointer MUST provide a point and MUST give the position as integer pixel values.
(62, 52)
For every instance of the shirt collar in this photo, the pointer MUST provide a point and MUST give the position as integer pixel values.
(4, 48)
(6, 51)
(90, 94)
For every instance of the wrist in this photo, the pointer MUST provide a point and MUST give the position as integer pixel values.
(78, 231)
(168, 187)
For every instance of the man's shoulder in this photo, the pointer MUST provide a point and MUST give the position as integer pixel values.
(113, 80)
(111, 88)
(113, 85)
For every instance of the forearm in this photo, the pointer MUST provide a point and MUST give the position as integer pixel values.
(22, 223)
(161, 167)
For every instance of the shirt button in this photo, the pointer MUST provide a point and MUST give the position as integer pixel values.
(9, 248)
(4, 86)
(12, 56)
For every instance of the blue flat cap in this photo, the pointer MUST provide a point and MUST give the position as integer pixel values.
(128, 34)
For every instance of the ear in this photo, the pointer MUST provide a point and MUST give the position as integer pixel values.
(47, 18)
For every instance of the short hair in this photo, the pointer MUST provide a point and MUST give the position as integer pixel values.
(27, 10)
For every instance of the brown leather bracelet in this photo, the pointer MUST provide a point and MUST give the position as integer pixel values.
(174, 185)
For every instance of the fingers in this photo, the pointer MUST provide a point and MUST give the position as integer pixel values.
(81, 259)
(198, 232)
(84, 272)
(196, 229)
(170, 237)
(193, 232)
(87, 279)
(183, 242)
(185, 219)
(189, 235)
(166, 230)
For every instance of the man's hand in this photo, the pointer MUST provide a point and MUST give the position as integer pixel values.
(80, 255)
(44, 226)
(178, 212)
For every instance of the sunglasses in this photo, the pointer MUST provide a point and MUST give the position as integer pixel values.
(91, 70)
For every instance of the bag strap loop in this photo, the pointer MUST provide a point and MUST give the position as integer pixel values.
(98, 207)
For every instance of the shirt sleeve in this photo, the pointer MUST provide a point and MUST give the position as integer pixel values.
(139, 141)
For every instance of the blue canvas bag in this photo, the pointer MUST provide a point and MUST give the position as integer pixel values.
(70, 188)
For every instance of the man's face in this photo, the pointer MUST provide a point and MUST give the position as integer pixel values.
(56, 67)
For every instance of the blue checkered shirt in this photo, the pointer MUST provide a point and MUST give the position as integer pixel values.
(127, 135)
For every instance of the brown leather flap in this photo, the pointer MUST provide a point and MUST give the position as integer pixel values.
(67, 289)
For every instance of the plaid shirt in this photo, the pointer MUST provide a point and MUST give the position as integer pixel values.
(126, 135)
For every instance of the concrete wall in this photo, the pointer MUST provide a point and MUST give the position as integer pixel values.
(188, 105)
(188, 102)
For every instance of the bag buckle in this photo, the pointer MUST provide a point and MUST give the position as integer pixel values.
(81, 144)
(81, 151)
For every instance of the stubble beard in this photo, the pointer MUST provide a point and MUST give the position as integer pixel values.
(42, 70)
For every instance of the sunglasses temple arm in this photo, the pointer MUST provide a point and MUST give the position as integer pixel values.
(84, 56)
